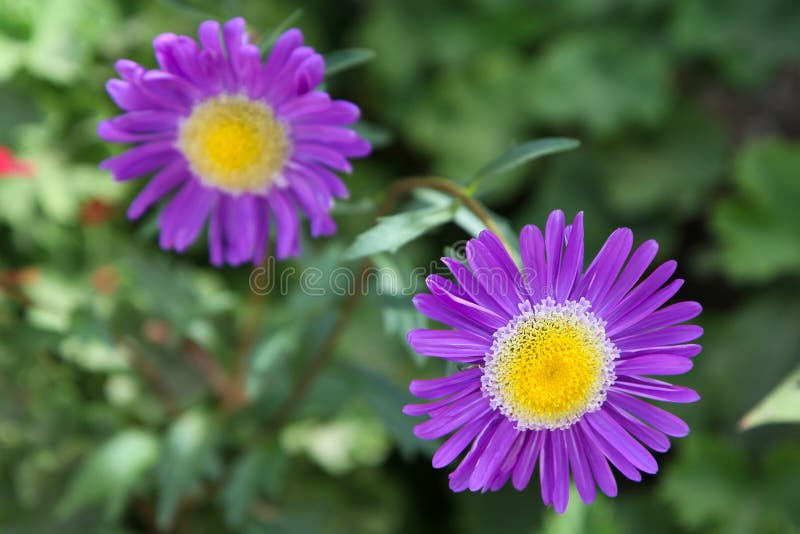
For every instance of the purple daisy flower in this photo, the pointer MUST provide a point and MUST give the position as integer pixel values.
(243, 143)
(555, 361)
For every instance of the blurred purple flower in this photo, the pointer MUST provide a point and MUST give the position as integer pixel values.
(243, 144)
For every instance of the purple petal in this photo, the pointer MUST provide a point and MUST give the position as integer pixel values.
(668, 316)
(601, 472)
(634, 270)
(665, 336)
(554, 243)
(579, 465)
(633, 314)
(572, 264)
(140, 160)
(448, 344)
(492, 278)
(531, 244)
(654, 389)
(471, 287)
(561, 472)
(653, 364)
(650, 437)
(528, 458)
(488, 464)
(162, 183)
(456, 444)
(437, 310)
(605, 267)
(435, 388)
(662, 420)
(618, 459)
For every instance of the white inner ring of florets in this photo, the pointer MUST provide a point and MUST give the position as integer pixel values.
(550, 365)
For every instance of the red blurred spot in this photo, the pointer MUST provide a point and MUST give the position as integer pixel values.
(96, 212)
(10, 166)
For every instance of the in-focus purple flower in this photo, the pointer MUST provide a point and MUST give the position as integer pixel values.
(242, 143)
(555, 362)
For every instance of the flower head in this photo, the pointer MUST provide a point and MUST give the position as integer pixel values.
(555, 362)
(242, 143)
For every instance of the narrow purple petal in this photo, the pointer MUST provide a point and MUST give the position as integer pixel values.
(654, 416)
(572, 264)
(665, 336)
(673, 314)
(627, 316)
(654, 389)
(459, 479)
(140, 160)
(601, 472)
(613, 455)
(554, 244)
(459, 441)
(579, 465)
(528, 458)
(604, 269)
(488, 464)
(650, 437)
(435, 388)
(432, 307)
(471, 287)
(162, 183)
(448, 344)
(634, 270)
(653, 364)
(561, 472)
(531, 243)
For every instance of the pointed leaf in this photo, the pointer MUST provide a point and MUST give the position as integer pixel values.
(781, 405)
(347, 58)
(189, 454)
(525, 152)
(111, 473)
(396, 230)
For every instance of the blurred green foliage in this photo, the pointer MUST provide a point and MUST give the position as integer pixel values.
(689, 117)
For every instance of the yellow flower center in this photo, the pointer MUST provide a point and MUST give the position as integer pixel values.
(549, 365)
(234, 143)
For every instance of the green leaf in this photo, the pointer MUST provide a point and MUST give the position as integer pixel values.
(111, 473)
(758, 228)
(260, 470)
(345, 59)
(267, 43)
(394, 231)
(521, 154)
(189, 454)
(269, 353)
(781, 405)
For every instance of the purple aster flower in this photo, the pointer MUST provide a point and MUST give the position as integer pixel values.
(241, 143)
(555, 362)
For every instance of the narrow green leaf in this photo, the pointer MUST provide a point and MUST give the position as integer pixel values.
(111, 473)
(346, 58)
(260, 471)
(395, 231)
(267, 43)
(189, 454)
(781, 405)
(525, 152)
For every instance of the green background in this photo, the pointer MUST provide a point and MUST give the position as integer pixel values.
(688, 112)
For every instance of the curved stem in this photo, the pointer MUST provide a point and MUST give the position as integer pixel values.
(407, 185)
(395, 191)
